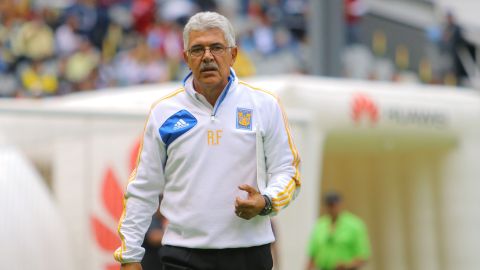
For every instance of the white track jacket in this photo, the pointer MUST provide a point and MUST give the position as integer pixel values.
(197, 156)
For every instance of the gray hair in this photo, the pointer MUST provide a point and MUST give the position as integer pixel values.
(208, 20)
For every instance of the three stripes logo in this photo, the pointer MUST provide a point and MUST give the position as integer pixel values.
(180, 124)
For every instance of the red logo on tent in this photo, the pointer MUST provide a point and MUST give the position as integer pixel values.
(106, 236)
(364, 107)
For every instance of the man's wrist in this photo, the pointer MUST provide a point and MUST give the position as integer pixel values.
(268, 206)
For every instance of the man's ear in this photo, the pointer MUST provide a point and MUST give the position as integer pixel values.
(234, 52)
(185, 57)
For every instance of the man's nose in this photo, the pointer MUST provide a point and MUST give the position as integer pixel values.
(207, 53)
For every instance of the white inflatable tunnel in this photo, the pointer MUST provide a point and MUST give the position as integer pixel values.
(32, 232)
(405, 158)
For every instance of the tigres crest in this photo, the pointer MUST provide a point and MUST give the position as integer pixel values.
(244, 118)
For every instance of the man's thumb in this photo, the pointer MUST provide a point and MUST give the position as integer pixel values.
(248, 188)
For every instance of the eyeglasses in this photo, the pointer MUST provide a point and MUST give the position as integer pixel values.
(216, 49)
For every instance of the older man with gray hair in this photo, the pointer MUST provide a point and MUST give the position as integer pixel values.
(221, 153)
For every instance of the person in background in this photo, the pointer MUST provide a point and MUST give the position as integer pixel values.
(354, 10)
(80, 68)
(451, 44)
(34, 40)
(38, 81)
(92, 20)
(153, 242)
(339, 240)
(67, 40)
(143, 14)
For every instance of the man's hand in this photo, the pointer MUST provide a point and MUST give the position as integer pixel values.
(154, 237)
(250, 207)
(131, 266)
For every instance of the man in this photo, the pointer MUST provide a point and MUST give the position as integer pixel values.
(354, 10)
(339, 240)
(452, 43)
(207, 147)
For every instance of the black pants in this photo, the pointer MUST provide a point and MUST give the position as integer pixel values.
(251, 258)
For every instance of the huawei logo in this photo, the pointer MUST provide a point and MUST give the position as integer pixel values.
(106, 236)
(364, 107)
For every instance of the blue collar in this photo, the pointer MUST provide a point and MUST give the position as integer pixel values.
(231, 79)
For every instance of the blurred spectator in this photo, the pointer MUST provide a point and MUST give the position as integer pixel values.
(140, 65)
(121, 15)
(38, 81)
(143, 13)
(244, 7)
(169, 40)
(86, 12)
(382, 68)
(66, 38)
(177, 10)
(9, 86)
(16, 8)
(295, 17)
(112, 3)
(357, 62)
(34, 40)
(157, 35)
(165, 38)
(273, 10)
(7, 59)
(254, 9)
(50, 16)
(80, 68)
(264, 37)
(106, 73)
(354, 11)
(246, 41)
(92, 20)
(339, 239)
(453, 44)
(113, 41)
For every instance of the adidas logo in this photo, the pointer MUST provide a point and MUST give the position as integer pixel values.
(180, 124)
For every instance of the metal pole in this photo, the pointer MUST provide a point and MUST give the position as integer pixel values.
(335, 36)
(316, 35)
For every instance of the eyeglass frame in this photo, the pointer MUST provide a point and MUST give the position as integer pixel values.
(205, 48)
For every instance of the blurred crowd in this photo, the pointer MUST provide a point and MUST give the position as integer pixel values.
(96, 44)
(443, 56)
(48, 50)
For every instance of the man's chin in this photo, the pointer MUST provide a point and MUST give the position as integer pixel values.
(210, 80)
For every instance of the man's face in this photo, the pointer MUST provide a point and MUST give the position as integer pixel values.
(210, 70)
(333, 209)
